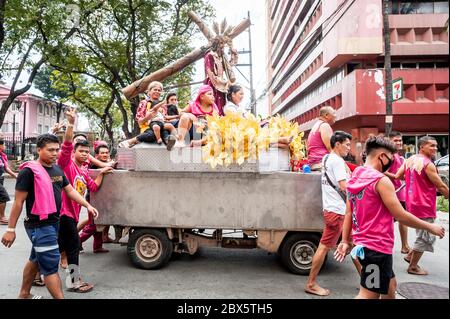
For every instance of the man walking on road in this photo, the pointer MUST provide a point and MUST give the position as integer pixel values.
(422, 181)
(40, 185)
(396, 138)
(335, 174)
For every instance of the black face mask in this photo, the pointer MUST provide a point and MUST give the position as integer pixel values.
(385, 167)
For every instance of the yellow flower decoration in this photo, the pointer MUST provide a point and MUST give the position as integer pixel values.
(234, 139)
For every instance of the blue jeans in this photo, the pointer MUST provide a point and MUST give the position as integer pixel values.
(45, 249)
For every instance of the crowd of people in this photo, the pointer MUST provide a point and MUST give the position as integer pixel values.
(360, 203)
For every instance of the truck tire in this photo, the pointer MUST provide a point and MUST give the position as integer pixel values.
(297, 252)
(149, 248)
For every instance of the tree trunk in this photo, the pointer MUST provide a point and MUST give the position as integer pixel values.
(2, 22)
(59, 108)
(140, 86)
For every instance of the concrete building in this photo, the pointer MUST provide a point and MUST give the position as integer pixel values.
(332, 53)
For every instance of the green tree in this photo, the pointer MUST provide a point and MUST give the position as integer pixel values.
(44, 81)
(98, 107)
(127, 39)
(34, 32)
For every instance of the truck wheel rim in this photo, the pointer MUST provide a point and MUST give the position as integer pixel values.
(302, 254)
(148, 248)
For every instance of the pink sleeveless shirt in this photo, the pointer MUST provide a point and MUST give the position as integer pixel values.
(421, 199)
(373, 224)
(396, 165)
(316, 148)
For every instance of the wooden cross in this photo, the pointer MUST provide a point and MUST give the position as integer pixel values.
(223, 36)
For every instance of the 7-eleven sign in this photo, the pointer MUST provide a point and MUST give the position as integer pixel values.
(397, 89)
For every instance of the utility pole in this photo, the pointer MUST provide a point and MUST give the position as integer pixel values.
(387, 65)
(252, 90)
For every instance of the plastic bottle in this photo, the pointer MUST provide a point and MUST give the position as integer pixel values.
(306, 169)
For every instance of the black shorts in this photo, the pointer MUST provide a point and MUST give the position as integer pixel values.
(4, 197)
(376, 271)
(160, 124)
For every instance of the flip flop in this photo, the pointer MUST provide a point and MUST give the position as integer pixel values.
(82, 288)
(405, 252)
(4, 222)
(408, 261)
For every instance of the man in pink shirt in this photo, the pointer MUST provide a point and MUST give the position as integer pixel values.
(372, 206)
(422, 181)
(40, 190)
(396, 138)
(318, 144)
(71, 160)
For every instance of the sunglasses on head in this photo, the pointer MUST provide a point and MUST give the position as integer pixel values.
(2, 142)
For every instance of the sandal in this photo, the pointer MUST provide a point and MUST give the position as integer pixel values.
(101, 250)
(4, 221)
(82, 288)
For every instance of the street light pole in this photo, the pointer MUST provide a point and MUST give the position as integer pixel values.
(23, 131)
(14, 135)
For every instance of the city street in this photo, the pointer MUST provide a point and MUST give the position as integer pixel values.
(214, 273)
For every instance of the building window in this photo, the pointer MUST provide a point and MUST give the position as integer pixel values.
(53, 111)
(17, 127)
(15, 106)
(40, 129)
(47, 110)
(419, 7)
(5, 127)
(41, 108)
(46, 129)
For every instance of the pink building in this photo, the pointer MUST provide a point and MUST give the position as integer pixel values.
(331, 52)
(40, 115)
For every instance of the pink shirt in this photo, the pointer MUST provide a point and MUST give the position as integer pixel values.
(198, 112)
(421, 199)
(4, 160)
(396, 165)
(78, 177)
(373, 224)
(315, 146)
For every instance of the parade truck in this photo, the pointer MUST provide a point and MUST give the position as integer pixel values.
(166, 203)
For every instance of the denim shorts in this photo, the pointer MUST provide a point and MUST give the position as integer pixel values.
(45, 249)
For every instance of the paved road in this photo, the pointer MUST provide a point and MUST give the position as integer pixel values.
(214, 273)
